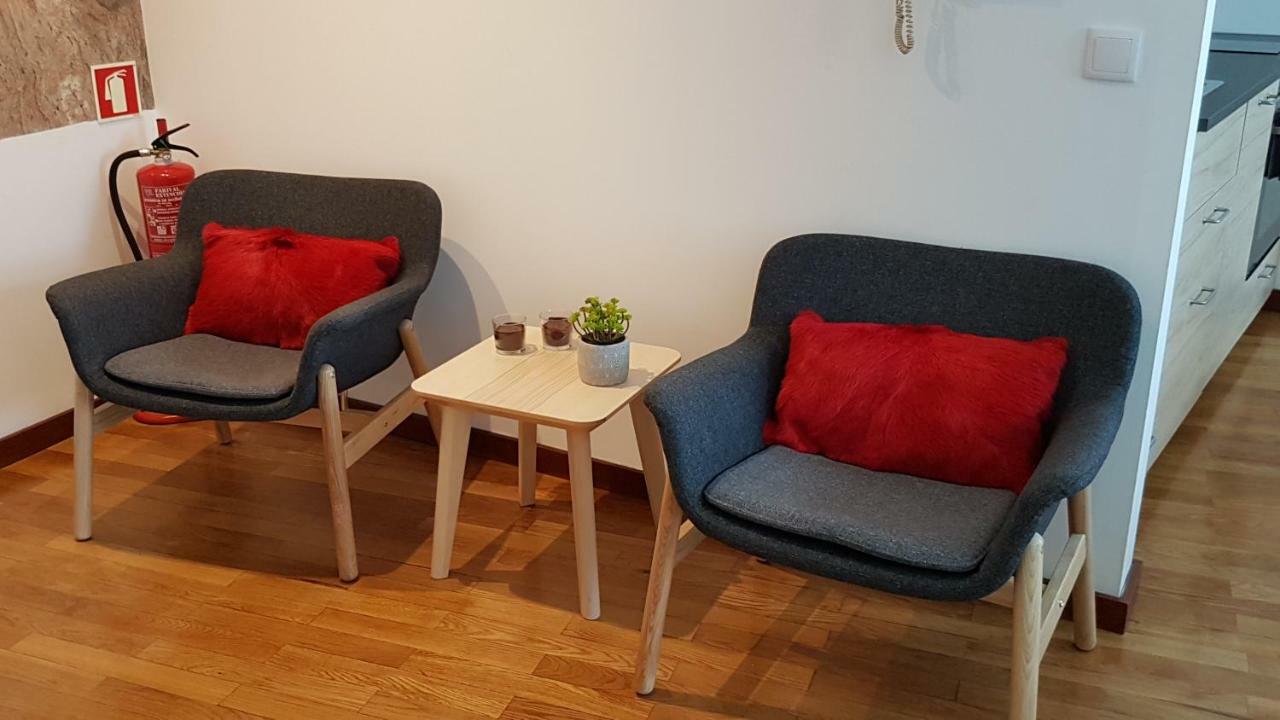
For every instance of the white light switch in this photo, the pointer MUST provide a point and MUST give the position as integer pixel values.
(1113, 55)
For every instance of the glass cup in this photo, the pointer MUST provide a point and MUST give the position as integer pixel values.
(508, 334)
(557, 331)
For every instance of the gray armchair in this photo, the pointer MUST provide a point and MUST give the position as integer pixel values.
(894, 533)
(124, 325)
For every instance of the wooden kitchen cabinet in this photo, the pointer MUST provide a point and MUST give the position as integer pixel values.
(1213, 300)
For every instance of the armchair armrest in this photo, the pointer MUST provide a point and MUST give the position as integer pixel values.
(106, 312)
(360, 339)
(711, 412)
(1077, 448)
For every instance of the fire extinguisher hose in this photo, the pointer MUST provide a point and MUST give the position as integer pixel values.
(115, 200)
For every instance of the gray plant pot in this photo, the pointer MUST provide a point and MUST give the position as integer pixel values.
(604, 365)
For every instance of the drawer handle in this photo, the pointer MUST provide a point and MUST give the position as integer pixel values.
(1267, 273)
(1205, 296)
(1218, 216)
(1269, 100)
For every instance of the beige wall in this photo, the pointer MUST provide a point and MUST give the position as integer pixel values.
(56, 222)
(654, 150)
(54, 211)
(46, 48)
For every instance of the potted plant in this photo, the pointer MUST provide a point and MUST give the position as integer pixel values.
(604, 355)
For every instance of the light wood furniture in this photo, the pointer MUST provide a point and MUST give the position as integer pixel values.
(150, 622)
(341, 452)
(1213, 300)
(1037, 607)
(540, 388)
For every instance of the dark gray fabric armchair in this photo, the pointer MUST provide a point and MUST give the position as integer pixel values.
(123, 325)
(902, 535)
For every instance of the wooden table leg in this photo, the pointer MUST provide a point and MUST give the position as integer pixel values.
(528, 463)
(652, 458)
(455, 432)
(584, 522)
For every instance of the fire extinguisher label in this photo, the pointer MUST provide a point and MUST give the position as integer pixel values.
(160, 206)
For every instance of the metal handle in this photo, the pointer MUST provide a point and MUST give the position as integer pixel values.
(1269, 100)
(1205, 296)
(1268, 272)
(1218, 216)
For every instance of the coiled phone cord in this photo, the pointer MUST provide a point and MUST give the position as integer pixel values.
(905, 27)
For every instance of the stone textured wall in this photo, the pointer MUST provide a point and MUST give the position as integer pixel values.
(46, 48)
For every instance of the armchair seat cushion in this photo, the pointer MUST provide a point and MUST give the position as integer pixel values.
(209, 366)
(913, 521)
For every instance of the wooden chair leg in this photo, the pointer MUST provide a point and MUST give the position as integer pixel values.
(223, 429)
(1084, 611)
(455, 434)
(655, 606)
(82, 424)
(418, 364)
(336, 466)
(1028, 588)
(527, 467)
(582, 491)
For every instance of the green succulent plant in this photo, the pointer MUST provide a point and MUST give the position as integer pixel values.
(601, 323)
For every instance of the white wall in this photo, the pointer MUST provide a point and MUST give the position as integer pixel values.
(654, 150)
(57, 222)
(1256, 17)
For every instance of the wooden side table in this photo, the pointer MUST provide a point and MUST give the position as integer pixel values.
(541, 388)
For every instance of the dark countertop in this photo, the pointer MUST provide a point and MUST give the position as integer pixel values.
(1244, 76)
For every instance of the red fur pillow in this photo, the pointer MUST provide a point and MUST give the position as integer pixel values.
(268, 286)
(920, 400)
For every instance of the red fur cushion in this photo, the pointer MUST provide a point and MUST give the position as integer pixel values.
(920, 400)
(268, 286)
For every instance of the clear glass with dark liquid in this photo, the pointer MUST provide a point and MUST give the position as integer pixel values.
(508, 334)
(557, 331)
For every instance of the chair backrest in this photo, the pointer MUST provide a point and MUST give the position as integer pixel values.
(339, 207)
(848, 278)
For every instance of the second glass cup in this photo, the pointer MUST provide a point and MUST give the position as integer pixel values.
(557, 331)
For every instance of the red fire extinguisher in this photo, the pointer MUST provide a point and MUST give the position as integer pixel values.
(160, 188)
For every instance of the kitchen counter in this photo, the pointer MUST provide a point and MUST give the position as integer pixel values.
(1243, 76)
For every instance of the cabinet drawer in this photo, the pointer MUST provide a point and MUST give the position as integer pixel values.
(1259, 113)
(1196, 283)
(1210, 223)
(1233, 209)
(1187, 370)
(1217, 158)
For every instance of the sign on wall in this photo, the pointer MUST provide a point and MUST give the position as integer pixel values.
(115, 90)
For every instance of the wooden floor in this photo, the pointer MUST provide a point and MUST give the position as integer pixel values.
(209, 592)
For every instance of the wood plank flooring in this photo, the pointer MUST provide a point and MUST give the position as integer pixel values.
(209, 591)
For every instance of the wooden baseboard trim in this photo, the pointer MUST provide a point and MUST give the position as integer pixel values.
(1114, 612)
(34, 438)
(493, 446)
(1273, 302)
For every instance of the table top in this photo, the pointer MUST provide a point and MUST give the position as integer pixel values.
(542, 386)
